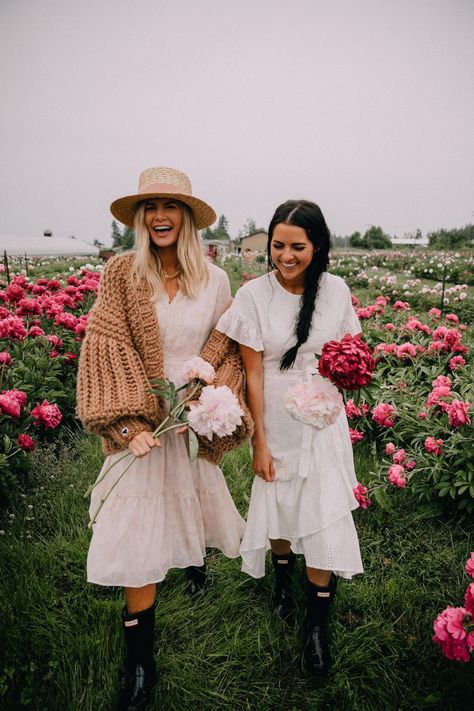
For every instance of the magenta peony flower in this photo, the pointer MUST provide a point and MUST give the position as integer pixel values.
(433, 446)
(469, 599)
(409, 466)
(450, 635)
(347, 363)
(196, 367)
(456, 362)
(389, 448)
(434, 313)
(47, 413)
(9, 405)
(452, 317)
(5, 358)
(352, 410)
(355, 435)
(399, 457)
(360, 493)
(396, 476)
(401, 306)
(390, 327)
(384, 414)
(218, 412)
(438, 397)
(316, 402)
(35, 331)
(442, 381)
(457, 413)
(26, 442)
(422, 415)
(470, 565)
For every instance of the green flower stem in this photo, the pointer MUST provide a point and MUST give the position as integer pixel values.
(102, 477)
(102, 501)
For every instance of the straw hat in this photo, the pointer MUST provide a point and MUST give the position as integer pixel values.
(166, 183)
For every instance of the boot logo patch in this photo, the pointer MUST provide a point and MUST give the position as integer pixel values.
(323, 594)
(283, 562)
(131, 623)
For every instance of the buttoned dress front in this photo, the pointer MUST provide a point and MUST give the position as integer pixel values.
(310, 502)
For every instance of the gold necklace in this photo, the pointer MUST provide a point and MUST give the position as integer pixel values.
(171, 276)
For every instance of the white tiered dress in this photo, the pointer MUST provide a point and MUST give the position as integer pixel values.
(311, 499)
(165, 510)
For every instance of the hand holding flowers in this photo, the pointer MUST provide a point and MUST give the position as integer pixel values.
(216, 412)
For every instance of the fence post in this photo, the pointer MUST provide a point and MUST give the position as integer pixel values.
(26, 265)
(442, 291)
(5, 261)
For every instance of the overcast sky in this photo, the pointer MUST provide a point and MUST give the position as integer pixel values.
(364, 106)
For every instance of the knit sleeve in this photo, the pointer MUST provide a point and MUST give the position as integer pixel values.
(112, 397)
(241, 322)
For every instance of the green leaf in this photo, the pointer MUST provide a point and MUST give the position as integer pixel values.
(193, 444)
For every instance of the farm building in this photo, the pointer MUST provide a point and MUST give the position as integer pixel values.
(256, 242)
(46, 245)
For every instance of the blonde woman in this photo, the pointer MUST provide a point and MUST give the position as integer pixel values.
(156, 308)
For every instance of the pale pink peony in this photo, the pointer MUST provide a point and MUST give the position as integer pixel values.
(47, 413)
(389, 448)
(457, 413)
(317, 402)
(196, 367)
(469, 599)
(218, 412)
(470, 565)
(450, 635)
(396, 476)
(433, 446)
(384, 414)
(360, 493)
(456, 362)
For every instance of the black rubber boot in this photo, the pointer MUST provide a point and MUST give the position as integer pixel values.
(140, 670)
(317, 660)
(283, 565)
(197, 577)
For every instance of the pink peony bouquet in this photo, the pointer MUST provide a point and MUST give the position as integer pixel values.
(215, 412)
(454, 627)
(316, 402)
(347, 363)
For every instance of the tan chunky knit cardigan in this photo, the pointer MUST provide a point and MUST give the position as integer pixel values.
(122, 352)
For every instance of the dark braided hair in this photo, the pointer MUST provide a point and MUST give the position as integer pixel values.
(308, 216)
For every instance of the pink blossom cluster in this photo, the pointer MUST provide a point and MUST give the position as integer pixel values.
(441, 396)
(448, 340)
(353, 411)
(454, 627)
(397, 476)
(434, 446)
(12, 402)
(401, 465)
(360, 493)
(384, 414)
(217, 413)
(47, 414)
(316, 402)
(355, 435)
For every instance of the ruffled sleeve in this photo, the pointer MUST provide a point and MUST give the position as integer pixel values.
(241, 322)
(350, 323)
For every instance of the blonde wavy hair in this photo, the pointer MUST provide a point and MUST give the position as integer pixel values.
(147, 264)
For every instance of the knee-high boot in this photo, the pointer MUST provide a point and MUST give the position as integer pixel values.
(140, 670)
(283, 603)
(316, 654)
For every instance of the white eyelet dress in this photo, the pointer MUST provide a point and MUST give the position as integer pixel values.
(311, 499)
(165, 511)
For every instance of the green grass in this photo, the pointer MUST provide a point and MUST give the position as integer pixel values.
(61, 637)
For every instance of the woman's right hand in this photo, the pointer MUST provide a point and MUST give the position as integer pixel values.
(142, 443)
(262, 462)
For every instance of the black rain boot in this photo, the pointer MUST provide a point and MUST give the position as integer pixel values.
(283, 565)
(317, 659)
(197, 577)
(140, 670)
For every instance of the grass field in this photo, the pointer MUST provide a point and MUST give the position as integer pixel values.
(61, 638)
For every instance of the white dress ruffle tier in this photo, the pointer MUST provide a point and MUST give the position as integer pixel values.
(311, 499)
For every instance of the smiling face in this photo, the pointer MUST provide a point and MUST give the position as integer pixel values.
(163, 220)
(291, 252)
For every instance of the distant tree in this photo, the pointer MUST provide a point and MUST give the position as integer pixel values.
(375, 238)
(128, 238)
(250, 226)
(222, 229)
(116, 235)
(208, 233)
(452, 239)
(355, 240)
